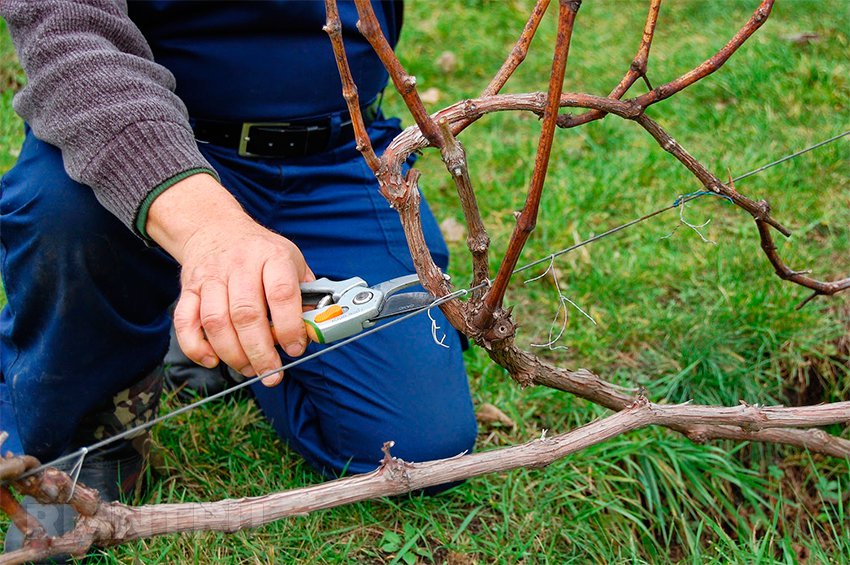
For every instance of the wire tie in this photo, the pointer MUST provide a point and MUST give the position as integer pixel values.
(75, 472)
(692, 195)
(434, 329)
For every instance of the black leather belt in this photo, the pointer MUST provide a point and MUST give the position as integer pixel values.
(294, 138)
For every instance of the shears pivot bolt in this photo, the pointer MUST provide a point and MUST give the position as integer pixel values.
(362, 297)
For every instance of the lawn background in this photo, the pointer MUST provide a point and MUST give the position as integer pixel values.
(682, 318)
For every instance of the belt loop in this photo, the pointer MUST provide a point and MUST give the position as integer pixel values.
(374, 109)
(335, 125)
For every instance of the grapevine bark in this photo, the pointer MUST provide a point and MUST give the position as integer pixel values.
(107, 524)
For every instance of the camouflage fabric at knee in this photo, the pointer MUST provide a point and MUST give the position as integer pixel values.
(129, 408)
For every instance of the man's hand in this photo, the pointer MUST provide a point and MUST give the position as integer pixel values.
(235, 274)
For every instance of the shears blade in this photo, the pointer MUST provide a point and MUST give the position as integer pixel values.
(398, 304)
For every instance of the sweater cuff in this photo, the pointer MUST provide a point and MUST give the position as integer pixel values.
(143, 155)
(144, 207)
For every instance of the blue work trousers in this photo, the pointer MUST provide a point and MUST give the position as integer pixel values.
(87, 311)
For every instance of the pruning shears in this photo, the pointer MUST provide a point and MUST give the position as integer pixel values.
(345, 308)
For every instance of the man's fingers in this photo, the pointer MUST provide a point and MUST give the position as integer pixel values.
(230, 294)
(190, 334)
(309, 276)
(284, 300)
(248, 313)
(215, 318)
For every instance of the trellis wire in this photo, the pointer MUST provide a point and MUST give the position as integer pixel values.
(680, 200)
(78, 455)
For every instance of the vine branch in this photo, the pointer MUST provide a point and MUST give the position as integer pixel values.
(711, 64)
(115, 523)
(404, 83)
(478, 242)
(333, 28)
(636, 70)
(527, 219)
(519, 51)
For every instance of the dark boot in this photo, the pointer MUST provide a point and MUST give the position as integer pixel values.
(113, 470)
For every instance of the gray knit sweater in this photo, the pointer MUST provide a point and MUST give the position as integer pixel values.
(95, 92)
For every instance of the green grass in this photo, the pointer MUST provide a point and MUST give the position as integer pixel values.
(684, 319)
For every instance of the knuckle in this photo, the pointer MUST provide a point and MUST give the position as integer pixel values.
(215, 322)
(282, 292)
(195, 276)
(244, 315)
(185, 319)
(182, 320)
(186, 305)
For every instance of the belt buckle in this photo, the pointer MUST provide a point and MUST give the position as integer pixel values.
(245, 135)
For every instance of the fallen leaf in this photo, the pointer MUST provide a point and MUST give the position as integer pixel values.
(802, 38)
(431, 95)
(489, 414)
(723, 104)
(455, 558)
(453, 231)
(447, 62)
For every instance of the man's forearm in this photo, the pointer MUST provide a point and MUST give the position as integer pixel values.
(95, 92)
(193, 203)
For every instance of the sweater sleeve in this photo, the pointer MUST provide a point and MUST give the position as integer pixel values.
(95, 92)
